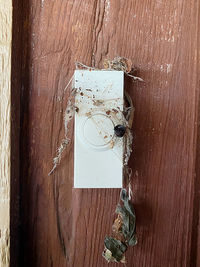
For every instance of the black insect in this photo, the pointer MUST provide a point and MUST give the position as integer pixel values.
(119, 130)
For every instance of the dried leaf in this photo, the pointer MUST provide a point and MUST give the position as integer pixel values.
(117, 225)
(107, 254)
(116, 247)
(127, 214)
(117, 229)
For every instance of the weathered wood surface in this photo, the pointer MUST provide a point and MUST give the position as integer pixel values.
(62, 226)
(5, 129)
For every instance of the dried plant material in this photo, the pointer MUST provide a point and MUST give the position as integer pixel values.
(57, 159)
(118, 63)
(117, 229)
(124, 231)
(127, 146)
(116, 247)
(80, 66)
(123, 260)
(88, 114)
(68, 116)
(128, 109)
(107, 254)
(121, 64)
(112, 143)
(127, 214)
(97, 102)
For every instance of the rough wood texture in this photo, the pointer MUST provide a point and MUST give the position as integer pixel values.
(5, 126)
(66, 227)
(16, 86)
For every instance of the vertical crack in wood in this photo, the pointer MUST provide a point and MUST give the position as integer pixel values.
(98, 25)
(61, 238)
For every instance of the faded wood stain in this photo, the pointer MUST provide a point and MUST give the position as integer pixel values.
(5, 126)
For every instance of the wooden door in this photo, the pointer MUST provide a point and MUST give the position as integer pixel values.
(62, 226)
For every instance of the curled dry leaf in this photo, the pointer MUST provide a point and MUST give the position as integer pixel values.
(116, 247)
(117, 229)
(123, 231)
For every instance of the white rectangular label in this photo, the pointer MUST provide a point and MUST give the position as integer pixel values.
(98, 153)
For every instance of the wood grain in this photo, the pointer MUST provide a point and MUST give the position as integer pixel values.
(62, 226)
(16, 86)
(5, 126)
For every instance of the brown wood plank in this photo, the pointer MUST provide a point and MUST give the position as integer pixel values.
(62, 226)
(16, 85)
